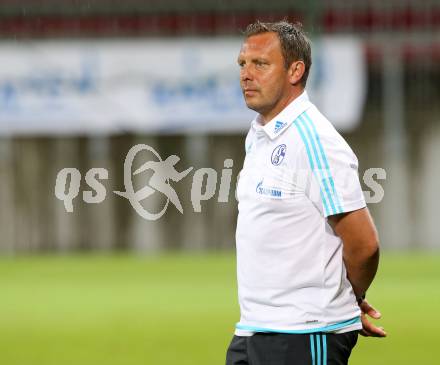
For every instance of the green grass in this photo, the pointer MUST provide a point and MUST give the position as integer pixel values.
(181, 309)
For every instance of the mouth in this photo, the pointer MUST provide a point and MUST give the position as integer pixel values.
(250, 92)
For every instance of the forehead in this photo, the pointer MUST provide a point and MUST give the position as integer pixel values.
(261, 44)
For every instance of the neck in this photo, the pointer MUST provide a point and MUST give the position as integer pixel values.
(279, 107)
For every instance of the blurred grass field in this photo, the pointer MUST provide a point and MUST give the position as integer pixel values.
(181, 309)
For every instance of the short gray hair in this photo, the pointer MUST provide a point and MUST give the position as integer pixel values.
(295, 45)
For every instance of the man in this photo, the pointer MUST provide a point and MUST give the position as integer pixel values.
(307, 249)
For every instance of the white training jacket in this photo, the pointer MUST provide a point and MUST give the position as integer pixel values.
(298, 171)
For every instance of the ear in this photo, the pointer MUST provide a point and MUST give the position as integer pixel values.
(296, 72)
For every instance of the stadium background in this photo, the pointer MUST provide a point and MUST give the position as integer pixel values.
(102, 285)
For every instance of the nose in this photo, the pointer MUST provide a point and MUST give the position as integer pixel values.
(245, 73)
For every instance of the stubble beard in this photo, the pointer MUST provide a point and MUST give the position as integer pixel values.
(259, 107)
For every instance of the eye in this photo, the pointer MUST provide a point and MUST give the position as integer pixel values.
(260, 63)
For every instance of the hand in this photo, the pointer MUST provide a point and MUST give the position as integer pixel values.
(368, 328)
